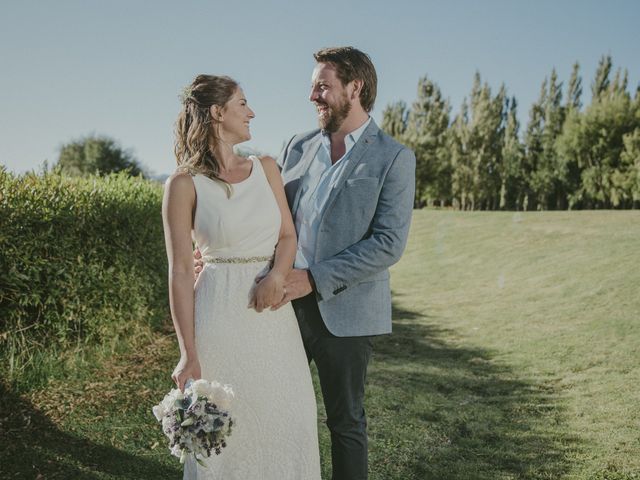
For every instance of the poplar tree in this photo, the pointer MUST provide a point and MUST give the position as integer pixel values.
(630, 159)
(394, 120)
(569, 169)
(462, 171)
(574, 90)
(601, 81)
(546, 178)
(511, 172)
(426, 135)
(596, 140)
(533, 148)
(485, 144)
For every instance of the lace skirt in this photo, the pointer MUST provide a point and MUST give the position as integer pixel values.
(261, 356)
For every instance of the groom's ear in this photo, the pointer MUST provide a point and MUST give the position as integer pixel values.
(357, 85)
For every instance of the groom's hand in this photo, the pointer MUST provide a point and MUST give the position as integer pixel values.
(298, 284)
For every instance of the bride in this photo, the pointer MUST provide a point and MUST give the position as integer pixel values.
(236, 212)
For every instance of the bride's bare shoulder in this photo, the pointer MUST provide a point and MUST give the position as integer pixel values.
(269, 164)
(271, 169)
(180, 177)
(180, 183)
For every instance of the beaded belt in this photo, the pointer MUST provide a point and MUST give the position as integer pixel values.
(237, 259)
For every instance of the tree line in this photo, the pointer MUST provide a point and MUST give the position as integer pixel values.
(569, 156)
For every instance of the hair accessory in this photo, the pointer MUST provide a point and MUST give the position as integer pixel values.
(186, 94)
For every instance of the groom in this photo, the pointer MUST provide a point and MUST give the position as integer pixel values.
(350, 188)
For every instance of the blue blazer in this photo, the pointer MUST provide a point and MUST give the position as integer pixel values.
(363, 229)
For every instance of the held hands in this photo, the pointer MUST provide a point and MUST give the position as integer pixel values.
(268, 292)
(187, 368)
(299, 284)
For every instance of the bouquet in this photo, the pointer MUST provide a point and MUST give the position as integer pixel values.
(198, 421)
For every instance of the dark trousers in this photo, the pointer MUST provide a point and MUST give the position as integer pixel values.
(342, 368)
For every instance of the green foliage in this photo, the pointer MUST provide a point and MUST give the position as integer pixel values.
(546, 179)
(601, 81)
(462, 176)
(394, 119)
(476, 143)
(486, 132)
(567, 158)
(424, 129)
(82, 263)
(511, 171)
(534, 146)
(595, 142)
(96, 155)
(574, 89)
(425, 134)
(630, 159)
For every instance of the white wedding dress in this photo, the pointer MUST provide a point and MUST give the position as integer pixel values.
(259, 354)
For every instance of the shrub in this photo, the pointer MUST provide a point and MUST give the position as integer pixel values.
(81, 263)
(96, 155)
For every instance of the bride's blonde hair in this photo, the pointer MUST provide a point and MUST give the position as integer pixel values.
(196, 137)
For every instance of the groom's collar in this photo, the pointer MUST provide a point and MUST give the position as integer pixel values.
(350, 139)
(354, 136)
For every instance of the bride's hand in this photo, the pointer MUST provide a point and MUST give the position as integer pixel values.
(269, 291)
(187, 368)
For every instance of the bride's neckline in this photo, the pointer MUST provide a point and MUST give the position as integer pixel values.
(253, 168)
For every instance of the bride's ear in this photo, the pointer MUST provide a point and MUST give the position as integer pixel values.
(216, 113)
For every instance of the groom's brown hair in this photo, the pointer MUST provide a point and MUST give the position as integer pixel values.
(351, 64)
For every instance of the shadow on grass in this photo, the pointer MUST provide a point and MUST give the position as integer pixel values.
(32, 447)
(440, 411)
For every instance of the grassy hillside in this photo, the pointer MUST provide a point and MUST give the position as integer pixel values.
(518, 342)
(515, 355)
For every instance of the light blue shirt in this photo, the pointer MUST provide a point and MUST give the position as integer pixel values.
(316, 185)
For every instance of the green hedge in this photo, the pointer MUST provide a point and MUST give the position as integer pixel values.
(82, 262)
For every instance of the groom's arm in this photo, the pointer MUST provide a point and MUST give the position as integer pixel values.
(387, 240)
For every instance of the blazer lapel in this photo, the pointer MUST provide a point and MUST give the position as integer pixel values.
(308, 155)
(357, 154)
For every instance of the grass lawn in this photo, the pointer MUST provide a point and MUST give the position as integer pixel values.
(515, 355)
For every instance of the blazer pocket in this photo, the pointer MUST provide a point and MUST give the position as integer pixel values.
(361, 181)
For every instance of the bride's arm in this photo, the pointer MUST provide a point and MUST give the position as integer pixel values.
(177, 214)
(270, 290)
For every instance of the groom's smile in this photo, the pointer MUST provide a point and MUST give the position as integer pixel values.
(329, 96)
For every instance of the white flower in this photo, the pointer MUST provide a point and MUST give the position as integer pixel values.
(158, 412)
(176, 450)
(201, 388)
(221, 395)
(167, 404)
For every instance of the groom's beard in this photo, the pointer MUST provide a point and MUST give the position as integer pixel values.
(332, 120)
